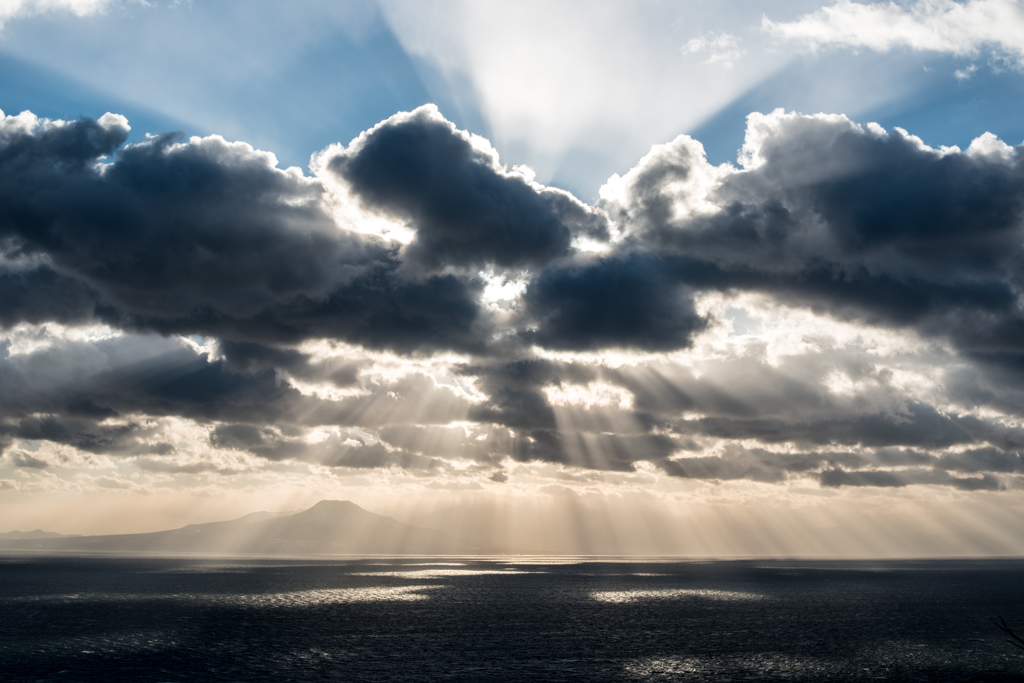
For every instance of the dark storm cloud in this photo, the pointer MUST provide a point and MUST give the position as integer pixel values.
(208, 236)
(850, 221)
(635, 301)
(67, 395)
(181, 383)
(154, 227)
(253, 358)
(40, 294)
(883, 190)
(465, 208)
(250, 358)
(208, 239)
(87, 435)
(993, 379)
(825, 187)
(202, 236)
(377, 309)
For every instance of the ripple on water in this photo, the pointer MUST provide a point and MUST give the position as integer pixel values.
(305, 598)
(750, 665)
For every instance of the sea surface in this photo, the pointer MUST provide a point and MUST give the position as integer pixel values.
(542, 619)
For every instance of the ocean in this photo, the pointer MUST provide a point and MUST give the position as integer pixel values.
(77, 618)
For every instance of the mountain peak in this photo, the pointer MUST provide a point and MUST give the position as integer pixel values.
(332, 511)
(335, 505)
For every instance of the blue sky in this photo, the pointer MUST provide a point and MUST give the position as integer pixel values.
(746, 272)
(293, 79)
(287, 81)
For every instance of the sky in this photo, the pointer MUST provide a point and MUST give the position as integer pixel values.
(687, 278)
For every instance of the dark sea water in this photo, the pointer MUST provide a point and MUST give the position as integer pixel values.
(158, 619)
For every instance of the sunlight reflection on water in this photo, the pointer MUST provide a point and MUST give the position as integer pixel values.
(335, 595)
(306, 598)
(671, 594)
(441, 573)
(705, 668)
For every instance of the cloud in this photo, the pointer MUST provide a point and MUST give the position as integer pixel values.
(962, 29)
(723, 48)
(203, 236)
(25, 459)
(87, 435)
(634, 301)
(842, 306)
(466, 208)
(898, 479)
(11, 9)
(70, 392)
(481, 443)
(887, 468)
(965, 73)
(40, 294)
(334, 451)
(185, 466)
(827, 214)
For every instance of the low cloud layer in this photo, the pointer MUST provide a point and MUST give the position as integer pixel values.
(841, 308)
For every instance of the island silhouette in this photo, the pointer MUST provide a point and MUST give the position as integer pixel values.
(331, 527)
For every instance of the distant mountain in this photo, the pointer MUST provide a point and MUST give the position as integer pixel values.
(38, 533)
(331, 527)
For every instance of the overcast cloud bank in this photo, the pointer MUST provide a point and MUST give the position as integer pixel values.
(841, 307)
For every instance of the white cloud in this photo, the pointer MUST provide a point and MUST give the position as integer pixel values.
(962, 29)
(11, 9)
(988, 145)
(965, 73)
(722, 49)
